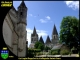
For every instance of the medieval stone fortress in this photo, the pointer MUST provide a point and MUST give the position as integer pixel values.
(15, 34)
(14, 30)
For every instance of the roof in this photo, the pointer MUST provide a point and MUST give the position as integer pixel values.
(57, 46)
(41, 40)
(14, 9)
(47, 40)
(34, 32)
(54, 31)
(22, 5)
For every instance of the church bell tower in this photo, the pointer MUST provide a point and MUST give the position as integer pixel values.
(55, 37)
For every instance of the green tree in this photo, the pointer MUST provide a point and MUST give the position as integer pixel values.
(39, 45)
(69, 33)
(36, 45)
(47, 48)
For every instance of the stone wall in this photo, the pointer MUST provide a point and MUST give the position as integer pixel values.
(11, 33)
(34, 39)
(7, 31)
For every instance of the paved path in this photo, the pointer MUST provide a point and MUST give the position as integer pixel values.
(73, 55)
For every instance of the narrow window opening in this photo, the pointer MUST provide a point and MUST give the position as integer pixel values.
(21, 13)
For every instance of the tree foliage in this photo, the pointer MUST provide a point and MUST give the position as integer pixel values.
(69, 33)
(39, 45)
(47, 48)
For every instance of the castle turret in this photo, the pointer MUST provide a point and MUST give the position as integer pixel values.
(41, 40)
(21, 29)
(22, 13)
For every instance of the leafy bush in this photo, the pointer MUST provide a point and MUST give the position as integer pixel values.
(46, 48)
(33, 52)
(39, 45)
(70, 53)
(37, 50)
(55, 52)
(64, 52)
(39, 53)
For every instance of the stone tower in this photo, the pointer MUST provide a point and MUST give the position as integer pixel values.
(21, 29)
(34, 36)
(55, 38)
(48, 42)
(41, 40)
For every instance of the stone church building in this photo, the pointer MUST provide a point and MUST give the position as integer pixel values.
(49, 42)
(34, 38)
(14, 30)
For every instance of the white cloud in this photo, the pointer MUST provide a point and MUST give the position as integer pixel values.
(20, 1)
(48, 17)
(30, 14)
(40, 33)
(27, 15)
(72, 4)
(24, 1)
(29, 31)
(43, 21)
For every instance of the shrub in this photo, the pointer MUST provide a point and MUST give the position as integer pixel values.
(70, 53)
(47, 48)
(55, 52)
(64, 52)
(41, 53)
(33, 52)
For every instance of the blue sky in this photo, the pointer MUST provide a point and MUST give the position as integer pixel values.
(44, 14)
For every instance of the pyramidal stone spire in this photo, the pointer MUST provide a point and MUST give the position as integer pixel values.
(41, 40)
(48, 40)
(54, 31)
(34, 31)
(22, 4)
